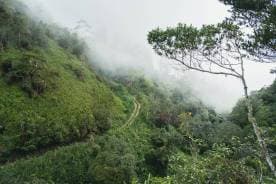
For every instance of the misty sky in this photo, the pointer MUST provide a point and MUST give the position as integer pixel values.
(119, 32)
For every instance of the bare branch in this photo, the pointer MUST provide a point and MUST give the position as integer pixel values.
(187, 65)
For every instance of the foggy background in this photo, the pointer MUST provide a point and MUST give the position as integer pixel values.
(118, 40)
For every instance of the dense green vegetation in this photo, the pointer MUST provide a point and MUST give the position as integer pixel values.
(63, 122)
(197, 146)
(265, 109)
(48, 95)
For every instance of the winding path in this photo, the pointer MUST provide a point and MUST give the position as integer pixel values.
(133, 115)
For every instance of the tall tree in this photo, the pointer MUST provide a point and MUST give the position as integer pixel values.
(260, 17)
(215, 49)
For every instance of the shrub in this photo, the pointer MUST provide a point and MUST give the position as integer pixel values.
(77, 71)
(30, 73)
(114, 164)
(157, 161)
(212, 169)
(102, 120)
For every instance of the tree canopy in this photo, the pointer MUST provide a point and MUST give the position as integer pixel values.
(260, 17)
(215, 49)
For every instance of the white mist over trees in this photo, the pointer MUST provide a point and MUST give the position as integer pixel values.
(119, 31)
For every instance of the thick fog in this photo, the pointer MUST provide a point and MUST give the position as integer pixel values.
(118, 40)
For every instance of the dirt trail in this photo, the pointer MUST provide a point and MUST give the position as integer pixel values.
(133, 115)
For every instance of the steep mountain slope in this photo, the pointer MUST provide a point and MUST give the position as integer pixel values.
(49, 94)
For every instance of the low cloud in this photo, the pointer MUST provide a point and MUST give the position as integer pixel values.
(118, 40)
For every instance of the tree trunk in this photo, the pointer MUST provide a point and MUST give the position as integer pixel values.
(1, 47)
(256, 129)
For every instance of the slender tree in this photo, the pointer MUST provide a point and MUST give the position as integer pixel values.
(215, 49)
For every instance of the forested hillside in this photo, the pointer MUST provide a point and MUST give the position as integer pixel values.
(63, 120)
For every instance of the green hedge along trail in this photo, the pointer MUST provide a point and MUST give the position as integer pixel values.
(135, 113)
